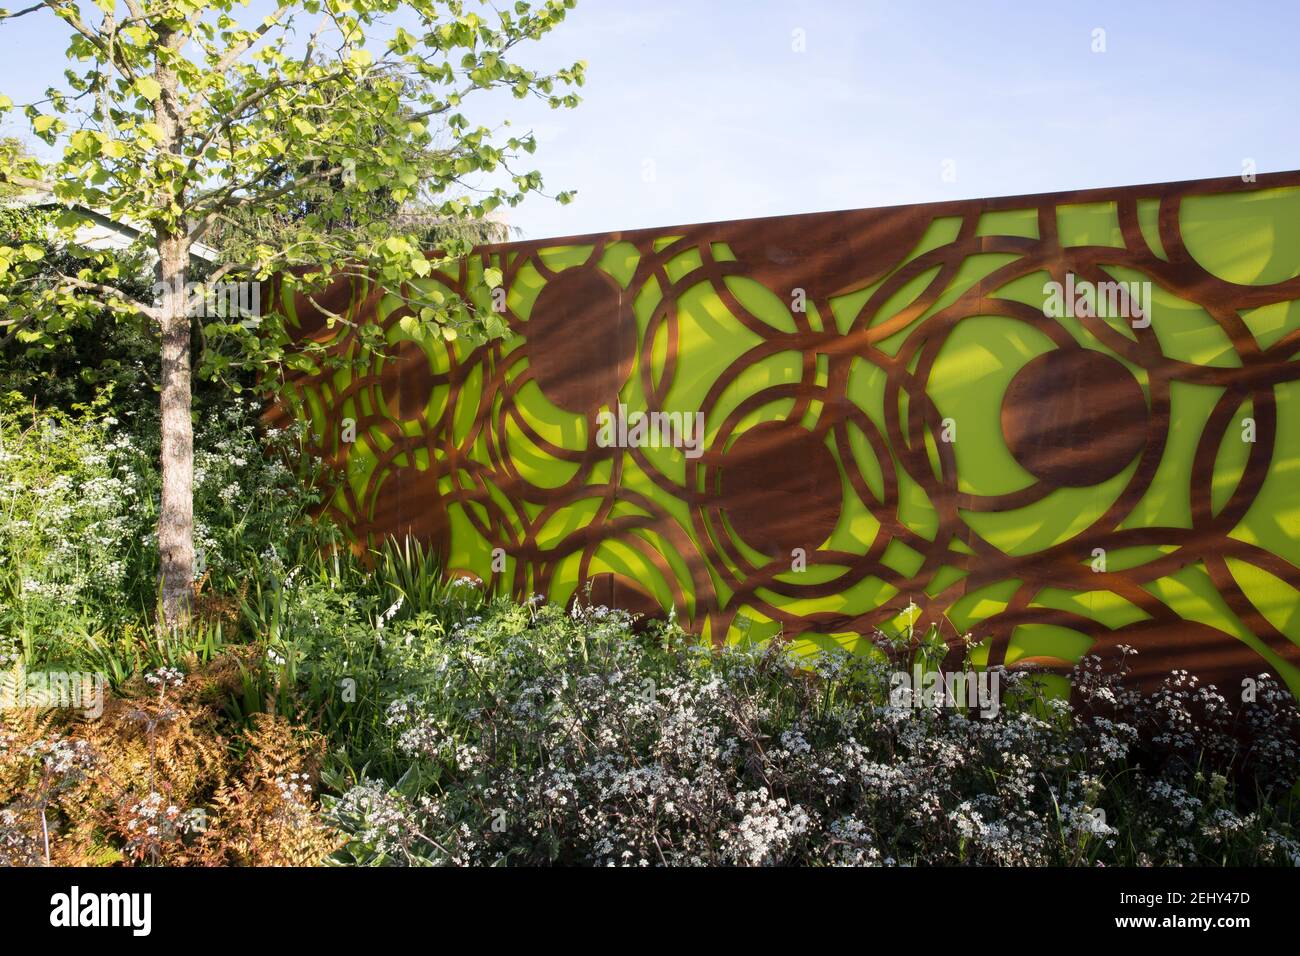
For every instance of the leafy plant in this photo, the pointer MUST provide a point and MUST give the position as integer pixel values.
(78, 521)
(536, 736)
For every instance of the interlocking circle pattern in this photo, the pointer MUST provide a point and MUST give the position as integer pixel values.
(893, 416)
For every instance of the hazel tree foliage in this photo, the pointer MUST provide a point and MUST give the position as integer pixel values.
(195, 119)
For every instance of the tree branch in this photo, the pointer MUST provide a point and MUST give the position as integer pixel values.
(15, 179)
(123, 303)
(68, 15)
(22, 13)
(224, 204)
(236, 50)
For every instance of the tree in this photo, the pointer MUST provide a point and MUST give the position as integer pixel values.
(185, 115)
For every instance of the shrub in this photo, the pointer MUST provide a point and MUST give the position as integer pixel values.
(67, 525)
(341, 636)
(78, 521)
(544, 737)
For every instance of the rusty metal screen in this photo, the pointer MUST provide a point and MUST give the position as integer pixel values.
(1055, 424)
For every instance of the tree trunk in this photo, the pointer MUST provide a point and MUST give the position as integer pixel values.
(176, 514)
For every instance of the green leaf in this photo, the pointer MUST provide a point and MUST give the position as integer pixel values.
(410, 325)
(68, 219)
(148, 87)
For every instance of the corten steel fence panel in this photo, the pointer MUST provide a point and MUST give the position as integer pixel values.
(903, 406)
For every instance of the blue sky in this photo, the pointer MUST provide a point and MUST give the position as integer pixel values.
(702, 109)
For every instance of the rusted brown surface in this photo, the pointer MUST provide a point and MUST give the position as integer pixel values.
(581, 340)
(1074, 417)
(1071, 417)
